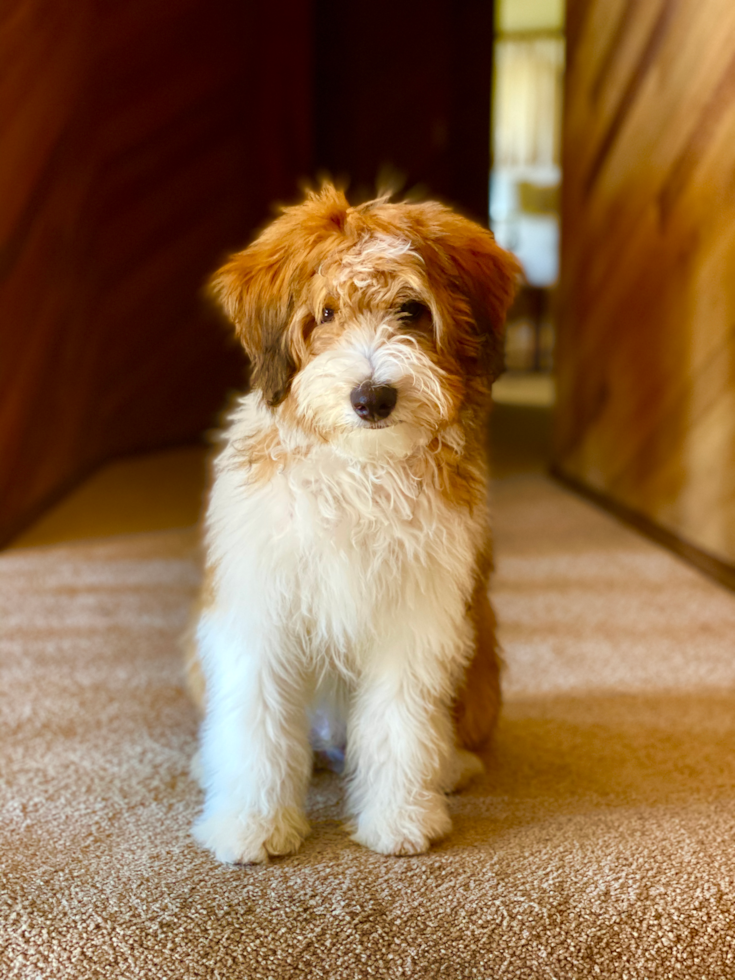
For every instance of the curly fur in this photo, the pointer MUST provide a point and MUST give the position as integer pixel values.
(347, 560)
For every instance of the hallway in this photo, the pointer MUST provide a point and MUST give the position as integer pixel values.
(599, 837)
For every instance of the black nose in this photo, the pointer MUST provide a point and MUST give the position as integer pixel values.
(373, 402)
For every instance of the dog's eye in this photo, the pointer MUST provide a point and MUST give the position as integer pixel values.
(412, 311)
(327, 315)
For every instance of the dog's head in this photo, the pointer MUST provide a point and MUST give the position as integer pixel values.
(370, 327)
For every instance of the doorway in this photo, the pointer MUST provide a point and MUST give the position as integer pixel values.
(525, 177)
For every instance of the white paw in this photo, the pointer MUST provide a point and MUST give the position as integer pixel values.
(247, 838)
(463, 767)
(406, 831)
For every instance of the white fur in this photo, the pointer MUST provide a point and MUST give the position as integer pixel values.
(359, 265)
(341, 584)
(373, 350)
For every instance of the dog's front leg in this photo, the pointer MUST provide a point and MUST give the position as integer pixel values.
(255, 753)
(400, 740)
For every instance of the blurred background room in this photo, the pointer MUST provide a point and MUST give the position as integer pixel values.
(144, 141)
(525, 181)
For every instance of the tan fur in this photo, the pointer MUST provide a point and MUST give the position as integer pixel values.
(194, 677)
(264, 455)
(196, 685)
(477, 703)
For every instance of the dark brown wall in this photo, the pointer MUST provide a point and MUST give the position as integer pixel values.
(140, 141)
(405, 88)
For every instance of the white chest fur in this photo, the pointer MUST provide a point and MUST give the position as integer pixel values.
(336, 550)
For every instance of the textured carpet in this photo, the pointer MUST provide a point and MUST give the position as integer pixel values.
(600, 844)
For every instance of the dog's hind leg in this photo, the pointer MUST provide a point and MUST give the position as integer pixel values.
(477, 702)
(462, 767)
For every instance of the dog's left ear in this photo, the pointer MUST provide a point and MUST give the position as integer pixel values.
(485, 276)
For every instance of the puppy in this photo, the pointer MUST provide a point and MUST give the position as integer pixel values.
(347, 537)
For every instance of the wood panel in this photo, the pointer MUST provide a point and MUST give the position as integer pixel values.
(138, 143)
(646, 344)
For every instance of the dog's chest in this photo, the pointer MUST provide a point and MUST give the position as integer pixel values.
(338, 550)
(371, 520)
(362, 543)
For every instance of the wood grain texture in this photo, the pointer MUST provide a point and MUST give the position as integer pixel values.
(646, 345)
(138, 143)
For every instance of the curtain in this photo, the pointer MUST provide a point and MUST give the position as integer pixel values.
(528, 101)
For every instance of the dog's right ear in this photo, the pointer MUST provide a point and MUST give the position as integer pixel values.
(254, 289)
(261, 287)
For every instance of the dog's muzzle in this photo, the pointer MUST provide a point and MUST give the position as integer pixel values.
(373, 403)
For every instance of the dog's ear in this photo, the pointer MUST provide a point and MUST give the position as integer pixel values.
(260, 288)
(254, 290)
(466, 257)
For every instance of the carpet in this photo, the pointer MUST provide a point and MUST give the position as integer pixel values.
(598, 845)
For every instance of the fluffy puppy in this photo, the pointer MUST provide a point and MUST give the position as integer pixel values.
(347, 539)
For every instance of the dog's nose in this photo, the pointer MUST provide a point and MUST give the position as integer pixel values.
(373, 402)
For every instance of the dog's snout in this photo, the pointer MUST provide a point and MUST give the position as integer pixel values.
(373, 402)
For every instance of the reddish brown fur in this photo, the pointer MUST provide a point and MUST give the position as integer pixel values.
(477, 702)
(271, 284)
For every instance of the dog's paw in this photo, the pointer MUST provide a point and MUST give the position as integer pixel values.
(246, 838)
(463, 767)
(404, 832)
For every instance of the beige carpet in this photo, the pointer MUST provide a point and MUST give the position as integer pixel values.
(599, 845)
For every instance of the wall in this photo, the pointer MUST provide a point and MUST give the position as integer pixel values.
(646, 346)
(403, 89)
(138, 143)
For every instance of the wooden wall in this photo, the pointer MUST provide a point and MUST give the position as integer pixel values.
(646, 346)
(139, 142)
